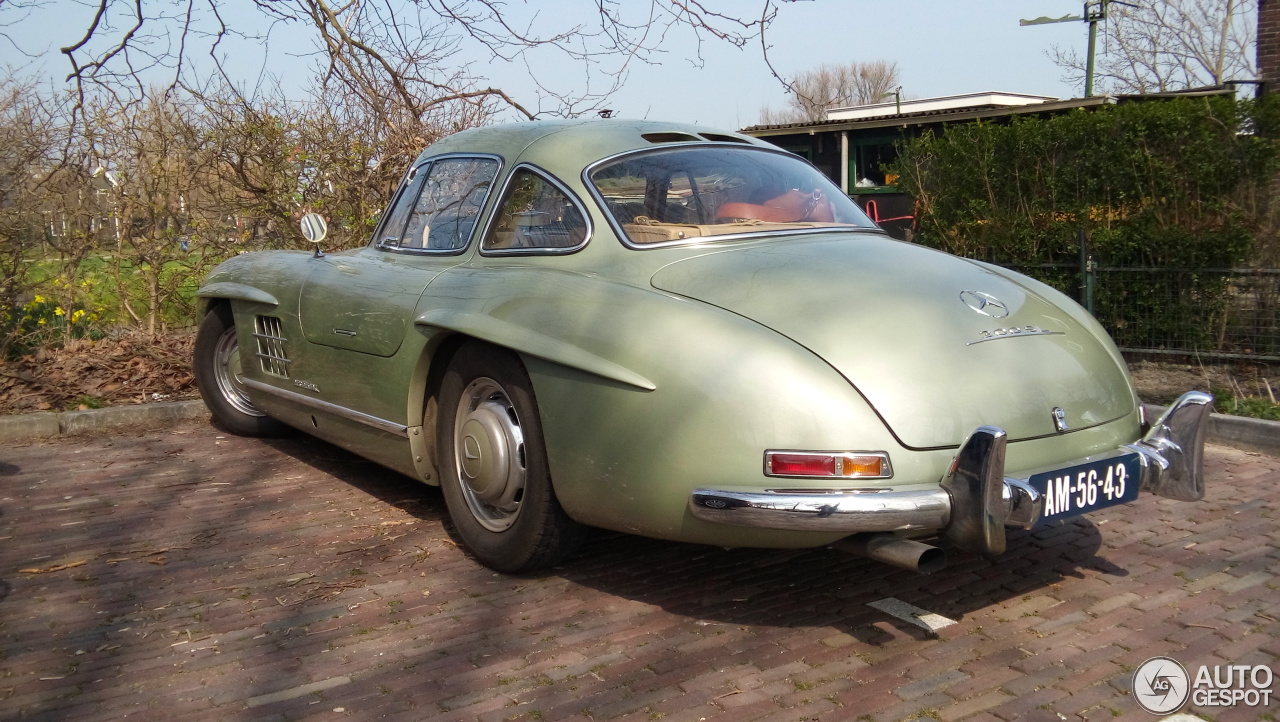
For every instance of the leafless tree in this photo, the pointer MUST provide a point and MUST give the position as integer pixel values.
(274, 158)
(407, 53)
(30, 140)
(1163, 45)
(159, 163)
(813, 91)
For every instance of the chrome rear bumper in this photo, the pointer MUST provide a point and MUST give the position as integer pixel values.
(976, 500)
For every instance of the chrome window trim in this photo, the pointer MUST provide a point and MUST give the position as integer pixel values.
(408, 181)
(550, 178)
(708, 240)
(390, 427)
(400, 190)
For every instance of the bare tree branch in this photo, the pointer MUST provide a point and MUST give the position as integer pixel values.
(814, 91)
(1169, 45)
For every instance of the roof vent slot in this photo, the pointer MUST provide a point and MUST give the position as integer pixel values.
(722, 138)
(670, 138)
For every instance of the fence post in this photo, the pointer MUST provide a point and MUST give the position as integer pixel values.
(1088, 273)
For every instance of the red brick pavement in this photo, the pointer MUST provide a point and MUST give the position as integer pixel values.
(220, 578)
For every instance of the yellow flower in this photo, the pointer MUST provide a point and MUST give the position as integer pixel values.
(39, 299)
(57, 311)
(79, 314)
(40, 322)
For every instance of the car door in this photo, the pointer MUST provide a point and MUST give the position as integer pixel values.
(363, 301)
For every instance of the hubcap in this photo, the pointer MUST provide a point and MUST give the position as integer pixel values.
(227, 371)
(489, 453)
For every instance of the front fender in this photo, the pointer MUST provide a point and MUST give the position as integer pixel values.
(263, 277)
(236, 292)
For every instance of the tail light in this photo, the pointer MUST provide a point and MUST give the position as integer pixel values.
(832, 464)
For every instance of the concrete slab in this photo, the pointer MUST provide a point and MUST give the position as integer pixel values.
(98, 420)
(27, 427)
(24, 427)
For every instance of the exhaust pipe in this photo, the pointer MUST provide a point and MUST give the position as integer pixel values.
(903, 553)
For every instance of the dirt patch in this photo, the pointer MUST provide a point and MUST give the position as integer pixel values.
(126, 368)
(1159, 382)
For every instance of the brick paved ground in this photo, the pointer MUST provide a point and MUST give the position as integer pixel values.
(211, 577)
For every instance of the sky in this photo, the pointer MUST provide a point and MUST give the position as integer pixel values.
(942, 47)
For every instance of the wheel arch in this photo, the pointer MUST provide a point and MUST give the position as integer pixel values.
(208, 303)
(424, 398)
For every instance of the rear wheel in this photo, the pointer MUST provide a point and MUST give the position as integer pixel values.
(495, 476)
(218, 373)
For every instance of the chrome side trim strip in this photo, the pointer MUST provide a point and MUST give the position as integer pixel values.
(350, 414)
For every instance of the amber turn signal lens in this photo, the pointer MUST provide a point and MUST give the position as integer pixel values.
(862, 466)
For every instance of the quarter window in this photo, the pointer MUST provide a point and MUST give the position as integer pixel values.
(448, 203)
(534, 213)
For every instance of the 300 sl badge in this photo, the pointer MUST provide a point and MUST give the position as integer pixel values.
(306, 385)
(1012, 331)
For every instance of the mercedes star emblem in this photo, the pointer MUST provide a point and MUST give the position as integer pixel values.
(984, 303)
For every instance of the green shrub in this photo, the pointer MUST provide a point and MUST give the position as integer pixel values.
(1177, 186)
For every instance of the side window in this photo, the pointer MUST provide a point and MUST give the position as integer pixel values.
(398, 214)
(449, 203)
(535, 214)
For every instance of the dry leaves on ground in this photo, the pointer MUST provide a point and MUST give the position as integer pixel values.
(126, 368)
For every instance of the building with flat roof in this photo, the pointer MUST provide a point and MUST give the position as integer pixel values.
(853, 144)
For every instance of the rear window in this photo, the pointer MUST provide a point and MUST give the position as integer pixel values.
(691, 193)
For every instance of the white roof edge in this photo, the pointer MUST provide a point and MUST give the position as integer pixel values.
(946, 102)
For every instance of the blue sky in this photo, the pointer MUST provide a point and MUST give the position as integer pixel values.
(941, 47)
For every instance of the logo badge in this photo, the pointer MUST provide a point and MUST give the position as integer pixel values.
(984, 303)
(1161, 685)
(1060, 419)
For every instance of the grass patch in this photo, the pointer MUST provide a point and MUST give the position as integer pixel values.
(1226, 402)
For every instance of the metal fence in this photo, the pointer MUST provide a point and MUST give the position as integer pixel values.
(1214, 313)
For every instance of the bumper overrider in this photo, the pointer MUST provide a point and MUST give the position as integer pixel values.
(976, 500)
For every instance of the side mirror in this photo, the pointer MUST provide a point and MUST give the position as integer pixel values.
(314, 229)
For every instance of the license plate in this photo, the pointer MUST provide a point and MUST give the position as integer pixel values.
(1087, 487)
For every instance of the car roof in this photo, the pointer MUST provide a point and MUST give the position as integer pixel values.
(576, 143)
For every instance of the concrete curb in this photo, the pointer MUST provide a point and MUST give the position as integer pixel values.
(1240, 432)
(28, 427)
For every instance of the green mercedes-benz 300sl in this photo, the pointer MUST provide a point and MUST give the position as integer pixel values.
(686, 334)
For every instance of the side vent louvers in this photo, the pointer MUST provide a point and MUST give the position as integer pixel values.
(266, 329)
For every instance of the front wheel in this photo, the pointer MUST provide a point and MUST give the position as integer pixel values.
(495, 476)
(217, 366)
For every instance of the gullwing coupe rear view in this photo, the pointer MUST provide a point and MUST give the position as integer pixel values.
(686, 334)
